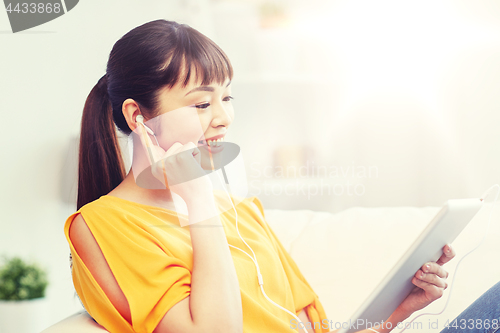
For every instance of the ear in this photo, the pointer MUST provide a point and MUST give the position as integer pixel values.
(130, 110)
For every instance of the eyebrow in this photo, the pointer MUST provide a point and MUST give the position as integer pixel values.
(205, 88)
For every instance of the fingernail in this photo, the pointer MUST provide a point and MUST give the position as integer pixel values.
(427, 267)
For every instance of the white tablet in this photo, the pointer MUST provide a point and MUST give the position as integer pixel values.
(393, 289)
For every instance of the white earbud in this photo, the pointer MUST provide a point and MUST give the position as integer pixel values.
(140, 119)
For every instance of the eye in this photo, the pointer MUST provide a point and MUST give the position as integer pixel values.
(228, 98)
(203, 106)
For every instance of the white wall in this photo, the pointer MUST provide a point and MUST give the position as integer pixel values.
(46, 74)
(411, 89)
(407, 87)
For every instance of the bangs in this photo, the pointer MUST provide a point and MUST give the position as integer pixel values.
(196, 54)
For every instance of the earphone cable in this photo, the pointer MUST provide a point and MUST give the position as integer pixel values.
(254, 259)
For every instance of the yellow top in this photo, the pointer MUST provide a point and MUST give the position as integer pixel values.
(150, 256)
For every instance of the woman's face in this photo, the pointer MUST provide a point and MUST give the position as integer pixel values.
(193, 113)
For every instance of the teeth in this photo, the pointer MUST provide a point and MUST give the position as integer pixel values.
(213, 143)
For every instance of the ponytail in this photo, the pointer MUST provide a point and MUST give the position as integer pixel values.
(100, 166)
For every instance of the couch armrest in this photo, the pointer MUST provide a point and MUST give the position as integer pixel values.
(80, 322)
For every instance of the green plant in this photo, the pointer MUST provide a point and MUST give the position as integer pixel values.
(21, 281)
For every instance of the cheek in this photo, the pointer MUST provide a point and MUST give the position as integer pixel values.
(204, 121)
(231, 112)
(168, 139)
(180, 126)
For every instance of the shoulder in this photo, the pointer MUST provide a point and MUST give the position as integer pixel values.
(88, 217)
(253, 206)
(80, 234)
(96, 213)
(78, 225)
(256, 205)
(83, 240)
(248, 206)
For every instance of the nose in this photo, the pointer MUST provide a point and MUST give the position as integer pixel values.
(222, 115)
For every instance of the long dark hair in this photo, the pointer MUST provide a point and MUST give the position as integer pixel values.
(148, 58)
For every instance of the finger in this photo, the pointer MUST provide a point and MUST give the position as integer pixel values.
(159, 166)
(430, 289)
(179, 153)
(196, 153)
(196, 150)
(431, 278)
(190, 148)
(174, 149)
(435, 268)
(448, 254)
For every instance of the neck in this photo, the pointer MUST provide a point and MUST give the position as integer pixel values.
(128, 188)
(143, 187)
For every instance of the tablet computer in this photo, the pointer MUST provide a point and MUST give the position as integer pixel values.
(396, 285)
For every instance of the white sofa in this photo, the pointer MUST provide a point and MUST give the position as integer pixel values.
(346, 254)
(80, 322)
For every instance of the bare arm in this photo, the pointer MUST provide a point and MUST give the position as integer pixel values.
(305, 319)
(89, 251)
(215, 301)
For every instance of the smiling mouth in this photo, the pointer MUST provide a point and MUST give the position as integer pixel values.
(212, 143)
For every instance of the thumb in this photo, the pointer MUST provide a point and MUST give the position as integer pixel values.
(197, 155)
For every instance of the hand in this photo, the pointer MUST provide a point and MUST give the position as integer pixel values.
(430, 283)
(179, 168)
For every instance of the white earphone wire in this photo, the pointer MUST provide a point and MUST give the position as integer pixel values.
(254, 259)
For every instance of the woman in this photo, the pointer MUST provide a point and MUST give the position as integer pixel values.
(135, 268)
